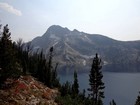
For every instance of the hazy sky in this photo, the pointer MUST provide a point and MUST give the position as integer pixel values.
(118, 19)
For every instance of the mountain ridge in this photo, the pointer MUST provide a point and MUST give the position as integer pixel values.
(78, 48)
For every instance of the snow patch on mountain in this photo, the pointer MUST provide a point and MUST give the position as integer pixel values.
(87, 57)
(55, 44)
(87, 38)
(53, 36)
(36, 47)
(84, 62)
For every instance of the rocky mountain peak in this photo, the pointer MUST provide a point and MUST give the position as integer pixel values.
(75, 30)
(57, 30)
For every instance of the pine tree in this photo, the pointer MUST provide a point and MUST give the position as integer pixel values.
(112, 102)
(41, 67)
(5, 48)
(138, 100)
(8, 62)
(66, 89)
(55, 80)
(95, 81)
(49, 69)
(52, 80)
(75, 86)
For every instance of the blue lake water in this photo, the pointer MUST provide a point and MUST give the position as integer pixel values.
(122, 87)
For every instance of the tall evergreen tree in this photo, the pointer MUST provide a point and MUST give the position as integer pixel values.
(95, 81)
(112, 102)
(49, 69)
(66, 89)
(8, 62)
(138, 100)
(5, 48)
(75, 86)
(55, 80)
(41, 67)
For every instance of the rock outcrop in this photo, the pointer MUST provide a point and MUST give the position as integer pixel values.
(27, 91)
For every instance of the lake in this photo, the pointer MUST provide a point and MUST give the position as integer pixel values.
(122, 87)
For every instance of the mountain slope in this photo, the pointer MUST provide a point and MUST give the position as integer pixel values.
(75, 49)
(27, 91)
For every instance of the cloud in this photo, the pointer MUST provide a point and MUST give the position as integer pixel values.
(10, 9)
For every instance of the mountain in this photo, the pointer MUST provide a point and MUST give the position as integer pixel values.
(74, 49)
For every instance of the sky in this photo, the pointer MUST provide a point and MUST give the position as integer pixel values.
(27, 19)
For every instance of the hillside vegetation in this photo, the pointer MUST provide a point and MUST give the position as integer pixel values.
(26, 90)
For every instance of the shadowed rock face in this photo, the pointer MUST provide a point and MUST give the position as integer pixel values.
(27, 91)
(74, 48)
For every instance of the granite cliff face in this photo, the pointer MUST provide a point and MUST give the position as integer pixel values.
(75, 49)
(27, 91)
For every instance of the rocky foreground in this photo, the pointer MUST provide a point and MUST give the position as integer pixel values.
(27, 91)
